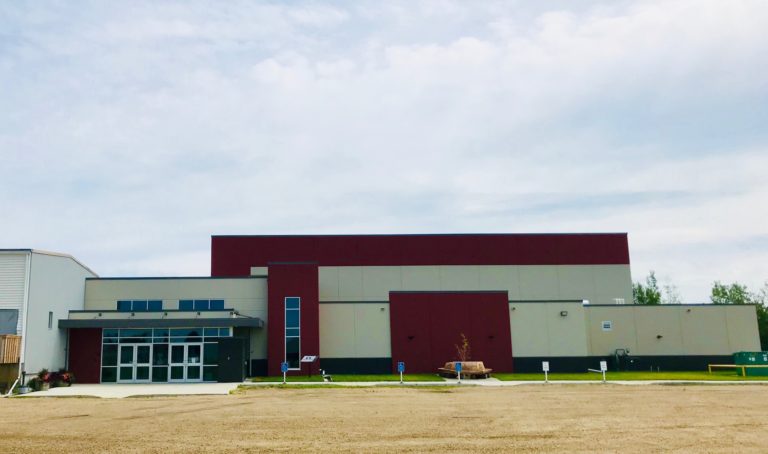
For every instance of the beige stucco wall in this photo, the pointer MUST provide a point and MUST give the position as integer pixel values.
(246, 295)
(684, 330)
(538, 329)
(355, 330)
(599, 284)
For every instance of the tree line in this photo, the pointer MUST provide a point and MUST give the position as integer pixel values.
(649, 292)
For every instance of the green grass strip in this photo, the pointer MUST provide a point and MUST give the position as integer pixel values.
(630, 376)
(350, 378)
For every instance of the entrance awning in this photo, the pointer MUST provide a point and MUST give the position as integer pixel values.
(250, 322)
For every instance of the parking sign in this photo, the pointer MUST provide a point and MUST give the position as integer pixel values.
(400, 367)
(284, 367)
(458, 367)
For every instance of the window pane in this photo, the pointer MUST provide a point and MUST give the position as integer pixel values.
(186, 332)
(160, 374)
(142, 373)
(110, 333)
(177, 372)
(108, 374)
(292, 302)
(109, 355)
(155, 305)
(126, 354)
(217, 305)
(209, 373)
(177, 354)
(202, 305)
(292, 345)
(124, 306)
(142, 354)
(292, 332)
(160, 354)
(211, 354)
(136, 332)
(224, 332)
(291, 319)
(126, 373)
(139, 306)
(161, 332)
(211, 332)
(193, 372)
(186, 305)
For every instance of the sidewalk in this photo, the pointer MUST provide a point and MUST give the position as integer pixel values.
(118, 391)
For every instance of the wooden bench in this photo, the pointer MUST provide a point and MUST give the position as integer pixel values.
(471, 369)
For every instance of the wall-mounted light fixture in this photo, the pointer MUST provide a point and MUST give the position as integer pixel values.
(381, 309)
(563, 313)
(513, 308)
(410, 338)
(659, 336)
(687, 310)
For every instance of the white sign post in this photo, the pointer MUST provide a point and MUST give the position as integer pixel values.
(603, 368)
(545, 368)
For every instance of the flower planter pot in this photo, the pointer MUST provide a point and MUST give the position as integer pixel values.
(45, 387)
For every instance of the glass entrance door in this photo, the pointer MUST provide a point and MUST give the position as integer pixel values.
(134, 363)
(186, 362)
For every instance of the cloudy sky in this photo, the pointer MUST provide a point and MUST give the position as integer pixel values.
(132, 131)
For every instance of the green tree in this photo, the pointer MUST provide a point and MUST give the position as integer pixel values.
(739, 294)
(730, 294)
(648, 293)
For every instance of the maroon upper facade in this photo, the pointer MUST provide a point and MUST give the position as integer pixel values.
(235, 255)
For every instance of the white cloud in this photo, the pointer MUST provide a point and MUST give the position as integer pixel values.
(129, 133)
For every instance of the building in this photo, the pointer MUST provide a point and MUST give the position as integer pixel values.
(37, 288)
(361, 303)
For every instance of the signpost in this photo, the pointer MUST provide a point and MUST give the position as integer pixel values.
(401, 369)
(284, 369)
(545, 368)
(458, 370)
(309, 359)
(603, 368)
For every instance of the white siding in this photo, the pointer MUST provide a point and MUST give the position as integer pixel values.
(57, 285)
(13, 272)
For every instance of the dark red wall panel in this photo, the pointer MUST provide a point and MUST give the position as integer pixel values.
(295, 279)
(85, 354)
(235, 255)
(427, 326)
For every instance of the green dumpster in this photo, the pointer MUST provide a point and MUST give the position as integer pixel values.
(752, 359)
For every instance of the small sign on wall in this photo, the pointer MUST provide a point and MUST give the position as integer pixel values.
(607, 325)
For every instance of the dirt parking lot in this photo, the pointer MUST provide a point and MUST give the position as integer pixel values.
(533, 418)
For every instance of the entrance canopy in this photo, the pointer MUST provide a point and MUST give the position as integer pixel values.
(235, 322)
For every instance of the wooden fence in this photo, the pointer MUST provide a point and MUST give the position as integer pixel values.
(10, 348)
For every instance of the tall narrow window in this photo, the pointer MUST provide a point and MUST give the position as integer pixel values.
(293, 331)
(50, 320)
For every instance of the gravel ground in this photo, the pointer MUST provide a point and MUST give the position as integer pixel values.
(572, 418)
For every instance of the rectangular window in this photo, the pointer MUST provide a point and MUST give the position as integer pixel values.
(202, 305)
(50, 320)
(139, 305)
(217, 305)
(186, 305)
(293, 331)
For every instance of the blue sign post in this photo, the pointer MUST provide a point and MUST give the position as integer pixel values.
(458, 370)
(401, 369)
(284, 369)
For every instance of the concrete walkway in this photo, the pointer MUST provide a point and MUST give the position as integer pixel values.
(118, 391)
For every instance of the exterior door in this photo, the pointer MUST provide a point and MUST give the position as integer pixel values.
(186, 362)
(134, 363)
